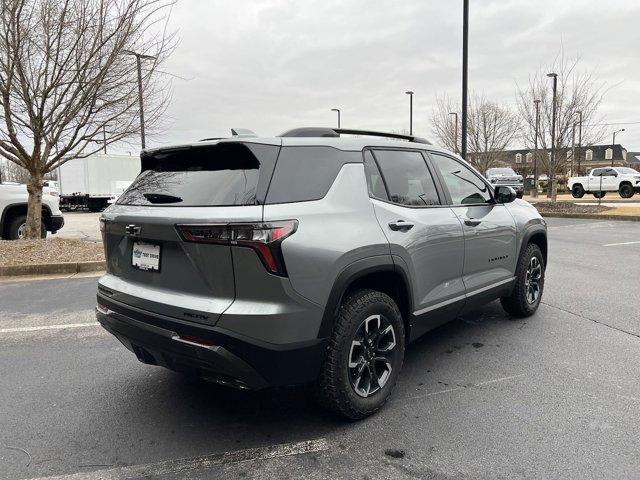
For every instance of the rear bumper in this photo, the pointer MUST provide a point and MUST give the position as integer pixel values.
(56, 223)
(212, 353)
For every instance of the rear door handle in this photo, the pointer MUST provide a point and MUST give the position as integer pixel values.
(471, 222)
(400, 225)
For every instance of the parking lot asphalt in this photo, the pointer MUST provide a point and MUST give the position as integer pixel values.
(80, 225)
(556, 395)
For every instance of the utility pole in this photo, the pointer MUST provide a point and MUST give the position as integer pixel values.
(535, 149)
(139, 58)
(573, 145)
(104, 139)
(465, 55)
(410, 93)
(337, 110)
(552, 178)
(579, 142)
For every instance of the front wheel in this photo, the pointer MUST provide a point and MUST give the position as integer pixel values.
(364, 356)
(18, 226)
(527, 292)
(626, 191)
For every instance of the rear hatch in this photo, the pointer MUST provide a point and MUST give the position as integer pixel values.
(149, 264)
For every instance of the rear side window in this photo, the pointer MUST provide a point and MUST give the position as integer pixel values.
(407, 178)
(307, 173)
(225, 174)
(374, 178)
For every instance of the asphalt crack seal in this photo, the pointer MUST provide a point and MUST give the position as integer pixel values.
(172, 467)
(592, 320)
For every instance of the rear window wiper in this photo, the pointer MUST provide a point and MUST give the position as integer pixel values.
(161, 198)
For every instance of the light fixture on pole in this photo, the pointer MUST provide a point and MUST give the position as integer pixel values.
(337, 110)
(139, 58)
(613, 144)
(455, 132)
(410, 93)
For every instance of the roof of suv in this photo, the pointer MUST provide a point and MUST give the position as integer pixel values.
(346, 143)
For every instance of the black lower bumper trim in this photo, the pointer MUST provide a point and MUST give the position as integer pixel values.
(57, 222)
(227, 358)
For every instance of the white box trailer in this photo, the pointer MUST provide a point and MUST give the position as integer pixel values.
(92, 181)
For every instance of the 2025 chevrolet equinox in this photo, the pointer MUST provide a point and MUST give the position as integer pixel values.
(309, 258)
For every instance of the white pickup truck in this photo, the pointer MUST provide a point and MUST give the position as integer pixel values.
(13, 211)
(624, 180)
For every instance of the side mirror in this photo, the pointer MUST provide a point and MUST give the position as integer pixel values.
(504, 194)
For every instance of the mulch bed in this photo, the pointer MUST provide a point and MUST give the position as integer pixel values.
(568, 207)
(54, 250)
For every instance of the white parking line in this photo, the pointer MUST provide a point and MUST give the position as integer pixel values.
(192, 465)
(48, 327)
(621, 243)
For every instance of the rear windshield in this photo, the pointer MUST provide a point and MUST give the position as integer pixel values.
(225, 174)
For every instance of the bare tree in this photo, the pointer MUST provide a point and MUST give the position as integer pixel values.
(66, 89)
(491, 129)
(576, 92)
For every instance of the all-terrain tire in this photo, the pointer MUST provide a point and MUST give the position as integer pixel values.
(518, 304)
(577, 191)
(18, 223)
(334, 388)
(626, 190)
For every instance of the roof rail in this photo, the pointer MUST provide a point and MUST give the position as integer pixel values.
(336, 132)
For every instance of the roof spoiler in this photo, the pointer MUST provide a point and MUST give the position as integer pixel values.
(235, 132)
(336, 132)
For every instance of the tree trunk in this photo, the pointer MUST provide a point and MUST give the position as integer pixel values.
(34, 210)
(554, 189)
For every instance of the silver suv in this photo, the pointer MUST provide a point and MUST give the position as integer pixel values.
(309, 258)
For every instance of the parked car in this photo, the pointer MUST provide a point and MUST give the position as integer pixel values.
(506, 176)
(309, 258)
(13, 211)
(624, 180)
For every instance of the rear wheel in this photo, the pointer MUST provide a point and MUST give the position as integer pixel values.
(599, 194)
(626, 190)
(577, 191)
(364, 356)
(527, 292)
(18, 226)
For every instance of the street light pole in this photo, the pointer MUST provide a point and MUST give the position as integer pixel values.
(410, 93)
(613, 144)
(465, 52)
(535, 149)
(139, 58)
(455, 132)
(579, 142)
(337, 110)
(553, 134)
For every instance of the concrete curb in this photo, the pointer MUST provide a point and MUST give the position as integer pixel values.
(52, 268)
(592, 216)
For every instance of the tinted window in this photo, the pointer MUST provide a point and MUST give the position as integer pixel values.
(407, 177)
(307, 173)
(464, 186)
(374, 178)
(210, 175)
(597, 172)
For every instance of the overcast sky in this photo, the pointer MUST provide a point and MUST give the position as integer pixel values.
(278, 64)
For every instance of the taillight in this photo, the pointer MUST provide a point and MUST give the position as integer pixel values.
(264, 238)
